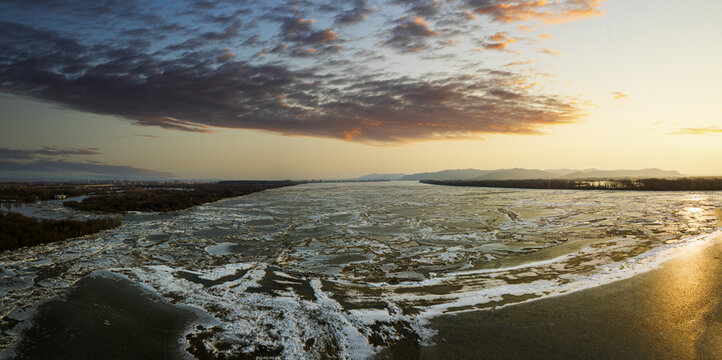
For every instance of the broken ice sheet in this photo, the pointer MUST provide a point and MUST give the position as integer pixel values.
(351, 268)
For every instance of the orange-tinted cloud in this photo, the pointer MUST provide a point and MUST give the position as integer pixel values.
(525, 28)
(410, 34)
(545, 36)
(616, 95)
(500, 36)
(349, 135)
(700, 131)
(518, 63)
(558, 11)
(550, 52)
(323, 36)
(501, 39)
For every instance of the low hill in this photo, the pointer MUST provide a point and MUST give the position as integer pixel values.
(632, 174)
(525, 174)
(517, 174)
(378, 177)
(458, 174)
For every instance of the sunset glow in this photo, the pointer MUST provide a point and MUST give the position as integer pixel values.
(298, 90)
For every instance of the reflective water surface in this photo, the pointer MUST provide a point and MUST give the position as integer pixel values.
(348, 269)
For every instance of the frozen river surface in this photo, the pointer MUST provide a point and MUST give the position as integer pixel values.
(349, 268)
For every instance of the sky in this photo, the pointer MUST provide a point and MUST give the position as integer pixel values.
(234, 89)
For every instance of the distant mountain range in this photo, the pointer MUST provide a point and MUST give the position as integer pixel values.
(525, 174)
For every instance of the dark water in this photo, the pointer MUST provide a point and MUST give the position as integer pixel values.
(105, 316)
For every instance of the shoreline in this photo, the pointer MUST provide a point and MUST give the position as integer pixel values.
(673, 311)
(505, 295)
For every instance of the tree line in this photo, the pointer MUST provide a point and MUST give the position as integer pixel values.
(17, 230)
(29, 193)
(179, 197)
(651, 184)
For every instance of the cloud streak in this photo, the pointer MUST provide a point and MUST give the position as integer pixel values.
(17, 154)
(550, 52)
(40, 169)
(616, 95)
(44, 163)
(699, 131)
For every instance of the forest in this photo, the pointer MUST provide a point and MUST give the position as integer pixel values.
(676, 184)
(29, 193)
(17, 230)
(178, 197)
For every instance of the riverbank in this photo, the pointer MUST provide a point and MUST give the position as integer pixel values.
(674, 312)
(18, 231)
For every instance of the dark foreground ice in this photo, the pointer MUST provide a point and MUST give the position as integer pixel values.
(106, 316)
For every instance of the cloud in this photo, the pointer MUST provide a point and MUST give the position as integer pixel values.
(358, 13)
(423, 8)
(17, 154)
(525, 28)
(305, 41)
(44, 163)
(559, 11)
(200, 66)
(545, 36)
(501, 40)
(148, 136)
(321, 36)
(295, 28)
(550, 52)
(699, 131)
(40, 169)
(518, 63)
(410, 34)
(616, 95)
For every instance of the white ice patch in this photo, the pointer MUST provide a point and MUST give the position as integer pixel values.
(220, 249)
(628, 268)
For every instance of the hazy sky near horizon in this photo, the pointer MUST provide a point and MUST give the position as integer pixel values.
(327, 89)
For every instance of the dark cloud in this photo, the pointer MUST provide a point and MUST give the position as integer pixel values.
(422, 8)
(294, 28)
(300, 31)
(17, 154)
(253, 40)
(40, 169)
(410, 34)
(43, 163)
(358, 13)
(184, 70)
